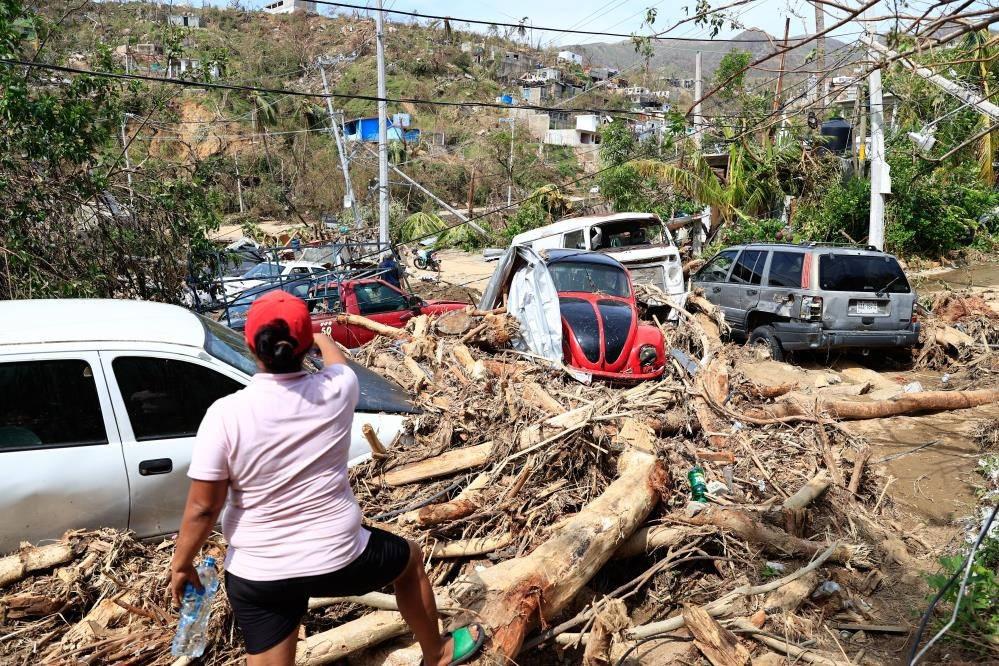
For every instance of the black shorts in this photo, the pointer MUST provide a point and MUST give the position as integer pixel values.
(268, 611)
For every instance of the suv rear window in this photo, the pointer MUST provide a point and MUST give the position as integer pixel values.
(865, 272)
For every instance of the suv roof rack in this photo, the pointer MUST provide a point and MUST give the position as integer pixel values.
(861, 246)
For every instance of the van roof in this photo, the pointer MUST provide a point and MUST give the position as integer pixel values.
(53, 320)
(574, 223)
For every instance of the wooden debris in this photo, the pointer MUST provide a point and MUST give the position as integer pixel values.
(445, 464)
(33, 558)
(377, 449)
(718, 644)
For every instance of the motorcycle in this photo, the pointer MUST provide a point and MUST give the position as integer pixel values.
(426, 260)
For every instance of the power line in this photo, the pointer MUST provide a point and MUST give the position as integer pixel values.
(302, 93)
(525, 26)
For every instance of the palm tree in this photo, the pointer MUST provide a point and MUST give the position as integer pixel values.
(986, 52)
(420, 225)
(264, 111)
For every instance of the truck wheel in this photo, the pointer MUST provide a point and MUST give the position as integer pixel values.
(766, 337)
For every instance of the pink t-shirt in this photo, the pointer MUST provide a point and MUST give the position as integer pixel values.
(282, 442)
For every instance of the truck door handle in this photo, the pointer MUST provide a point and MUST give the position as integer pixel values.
(716, 289)
(751, 292)
(155, 466)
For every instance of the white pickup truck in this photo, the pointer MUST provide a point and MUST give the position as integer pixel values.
(99, 404)
(640, 241)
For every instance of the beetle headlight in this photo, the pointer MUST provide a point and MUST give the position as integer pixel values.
(647, 355)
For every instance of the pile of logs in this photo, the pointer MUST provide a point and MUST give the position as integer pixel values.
(559, 516)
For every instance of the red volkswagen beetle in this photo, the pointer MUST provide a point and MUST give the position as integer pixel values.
(601, 332)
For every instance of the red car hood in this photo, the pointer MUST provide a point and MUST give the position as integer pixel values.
(599, 331)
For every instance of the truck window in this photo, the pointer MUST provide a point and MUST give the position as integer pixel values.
(574, 240)
(868, 272)
(749, 268)
(167, 398)
(49, 404)
(785, 269)
(717, 269)
(375, 297)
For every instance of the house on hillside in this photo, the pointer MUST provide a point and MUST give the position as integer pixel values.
(569, 56)
(290, 7)
(542, 92)
(597, 74)
(512, 64)
(585, 133)
(185, 20)
(366, 129)
(543, 74)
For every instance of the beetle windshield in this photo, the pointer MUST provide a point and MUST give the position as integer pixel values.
(590, 278)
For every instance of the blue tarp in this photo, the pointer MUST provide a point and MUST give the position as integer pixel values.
(366, 129)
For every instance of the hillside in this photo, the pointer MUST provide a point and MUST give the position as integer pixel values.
(675, 58)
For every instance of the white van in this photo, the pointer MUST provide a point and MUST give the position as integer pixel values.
(640, 241)
(99, 405)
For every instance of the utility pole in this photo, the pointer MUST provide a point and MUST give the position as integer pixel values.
(341, 149)
(697, 100)
(880, 180)
(509, 164)
(124, 151)
(383, 184)
(820, 58)
(780, 74)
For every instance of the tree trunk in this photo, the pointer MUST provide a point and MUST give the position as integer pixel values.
(907, 403)
(512, 597)
(377, 327)
(330, 646)
(447, 463)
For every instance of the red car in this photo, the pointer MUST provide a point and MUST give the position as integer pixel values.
(601, 332)
(375, 299)
(577, 308)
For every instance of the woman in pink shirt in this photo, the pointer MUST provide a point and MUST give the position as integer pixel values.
(278, 451)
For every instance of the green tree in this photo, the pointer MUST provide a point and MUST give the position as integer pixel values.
(73, 224)
(733, 65)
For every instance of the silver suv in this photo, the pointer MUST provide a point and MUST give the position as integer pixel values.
(796, 297)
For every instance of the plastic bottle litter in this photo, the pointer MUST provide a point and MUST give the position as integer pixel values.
(777, 567)
(945, 378)
(698, 487)
(717, 488)
(826, 589)
(913, 387)
(192, 628)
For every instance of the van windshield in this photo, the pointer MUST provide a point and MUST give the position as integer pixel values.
(628, 233)
(876, 274)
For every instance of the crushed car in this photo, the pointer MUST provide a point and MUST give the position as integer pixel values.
(576, 309)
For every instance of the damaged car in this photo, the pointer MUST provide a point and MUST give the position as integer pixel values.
(576, 309)
(100, 401)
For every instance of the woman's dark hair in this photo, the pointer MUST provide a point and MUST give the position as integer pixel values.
(275, 347)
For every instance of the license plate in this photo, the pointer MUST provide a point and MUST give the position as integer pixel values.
(867, 307)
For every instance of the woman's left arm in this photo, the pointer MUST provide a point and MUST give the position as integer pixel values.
(204, 504)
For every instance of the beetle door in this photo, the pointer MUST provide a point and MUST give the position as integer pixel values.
(59, 448)
(160, 400)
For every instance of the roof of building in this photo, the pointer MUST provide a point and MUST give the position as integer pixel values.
(93, 320)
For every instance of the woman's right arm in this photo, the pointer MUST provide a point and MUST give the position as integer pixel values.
(330, 350)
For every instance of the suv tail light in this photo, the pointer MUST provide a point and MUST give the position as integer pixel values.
(811, 308)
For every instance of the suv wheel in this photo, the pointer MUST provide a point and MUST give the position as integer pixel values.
(766, 337)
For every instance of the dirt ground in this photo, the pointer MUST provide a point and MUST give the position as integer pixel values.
(463, 276)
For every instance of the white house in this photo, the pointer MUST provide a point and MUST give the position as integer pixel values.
(569, 56)
(290, 7)
(185, 20)
(586, 133)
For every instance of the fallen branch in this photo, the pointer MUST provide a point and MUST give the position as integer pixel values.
(718, 644)
(470, 547)
(445, 464)
(329, 646)
(906, 403)
(16, 566)
(784, 647)
(347, 319)
(808, 492)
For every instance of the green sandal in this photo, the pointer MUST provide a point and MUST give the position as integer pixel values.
(464, 646)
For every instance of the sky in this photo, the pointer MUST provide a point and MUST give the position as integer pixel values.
(621, 16)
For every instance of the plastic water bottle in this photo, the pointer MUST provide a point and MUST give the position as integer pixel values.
(192, 629)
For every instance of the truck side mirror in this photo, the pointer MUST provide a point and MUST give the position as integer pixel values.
(414, 301)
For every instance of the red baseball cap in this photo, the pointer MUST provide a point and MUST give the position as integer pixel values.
(280, 305)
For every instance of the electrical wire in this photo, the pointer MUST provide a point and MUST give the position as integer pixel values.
(525, 26)
(914, 656)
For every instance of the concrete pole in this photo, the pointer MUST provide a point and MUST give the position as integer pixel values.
(383, 184)
(820, 59)
(697, 100)
(509, 187)
(341, 149)
(876, 235)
